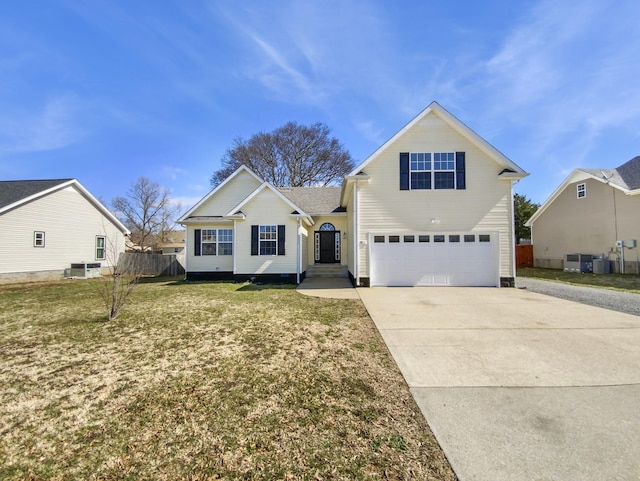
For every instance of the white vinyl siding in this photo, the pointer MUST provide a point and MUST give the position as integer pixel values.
(207, 263)
(266, 209)
(71, 224)
(484, 206)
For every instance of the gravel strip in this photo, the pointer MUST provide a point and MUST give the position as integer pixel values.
(617, 301)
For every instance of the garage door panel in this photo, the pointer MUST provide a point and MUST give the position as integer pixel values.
(434, 263)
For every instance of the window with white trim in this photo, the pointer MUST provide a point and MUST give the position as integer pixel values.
(101, 243)
(581, 191)
(38, 239)
(268, 240)
(435, 170)
(216, 242)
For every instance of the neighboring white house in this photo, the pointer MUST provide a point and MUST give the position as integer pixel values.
(173, 245)
(594, 212)
(432, 206)
(47, 225)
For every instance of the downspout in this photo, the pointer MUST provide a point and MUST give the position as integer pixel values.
(299, 266)
(513, 237)
(234, 247)
(355, 236)
(186, 252)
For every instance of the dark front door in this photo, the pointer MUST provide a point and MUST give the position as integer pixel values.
(328, 249)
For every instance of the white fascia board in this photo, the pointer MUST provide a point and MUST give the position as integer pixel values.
(242, 168)
(347, 186)
(206, 220)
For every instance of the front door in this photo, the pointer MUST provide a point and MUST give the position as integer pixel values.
(327, 247)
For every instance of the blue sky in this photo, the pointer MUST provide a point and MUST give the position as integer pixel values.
(107, 91)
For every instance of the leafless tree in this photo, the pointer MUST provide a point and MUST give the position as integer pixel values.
(122, 276)
(147, 211)
(290, 156)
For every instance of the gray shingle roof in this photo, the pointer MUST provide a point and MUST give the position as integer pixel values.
(12, 191)
(314, 200)
(626, 176)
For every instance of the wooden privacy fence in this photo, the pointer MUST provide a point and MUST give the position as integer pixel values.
(524, 255)
(150, 264)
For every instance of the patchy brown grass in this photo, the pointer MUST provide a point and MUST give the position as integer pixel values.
(202, 381)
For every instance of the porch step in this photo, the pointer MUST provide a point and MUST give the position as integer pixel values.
(327, 270)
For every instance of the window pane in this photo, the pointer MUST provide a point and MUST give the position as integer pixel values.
(423, 238)
(394, 238)
(469, 238)
(438, 238)
(225, 235)
(409, 238)
(208, 235)
(420, 180)
(454, 238)
(208, 249)
(484, 238)
(378, 238)
(444, 180)
(225, 249)
(268, 248)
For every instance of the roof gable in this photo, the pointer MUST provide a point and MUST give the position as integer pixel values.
(16, 193)
(625, 178)
(267, 186)
(436, 109)
(241, 172)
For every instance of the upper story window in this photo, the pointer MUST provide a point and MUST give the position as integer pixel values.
(581, 190)
(38, 239)
(432, 170)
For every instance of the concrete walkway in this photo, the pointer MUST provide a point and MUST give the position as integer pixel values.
(518, 385)
(328, 287)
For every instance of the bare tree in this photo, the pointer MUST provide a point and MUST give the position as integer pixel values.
(147, 211)
(291, 156)
(122, 277)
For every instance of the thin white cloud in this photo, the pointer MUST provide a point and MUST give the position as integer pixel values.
(53, 126)
(173, 173)
(565, 74)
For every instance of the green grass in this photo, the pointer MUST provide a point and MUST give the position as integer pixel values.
(620, 282)
(202, 381)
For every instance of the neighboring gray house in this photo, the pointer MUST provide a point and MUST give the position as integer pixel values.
(592, 212)
(46, 225)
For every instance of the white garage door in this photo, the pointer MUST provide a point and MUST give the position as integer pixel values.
(414, 259)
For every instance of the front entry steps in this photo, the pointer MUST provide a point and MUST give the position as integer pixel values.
(327, 270)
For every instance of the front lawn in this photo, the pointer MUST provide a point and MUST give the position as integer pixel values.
(621, 282)
(202, 381)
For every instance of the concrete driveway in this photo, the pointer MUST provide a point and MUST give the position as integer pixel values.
(517, 385)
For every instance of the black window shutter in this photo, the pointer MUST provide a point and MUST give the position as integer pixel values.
(460, 171)
(197, 242)
(404, 170)
(281, 239)
(254, 240)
